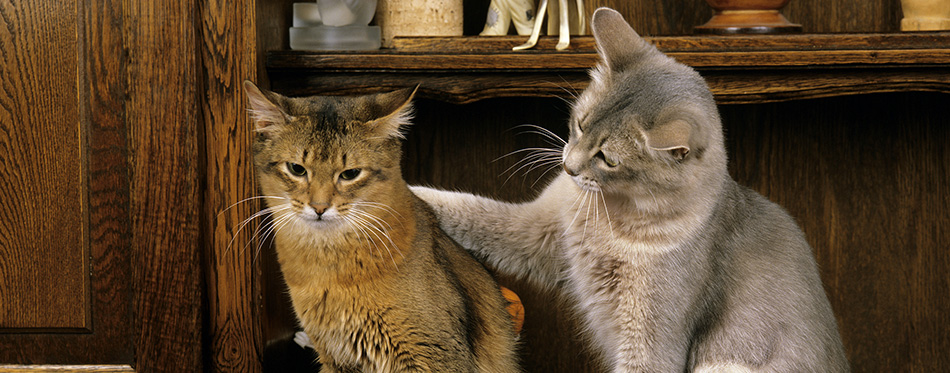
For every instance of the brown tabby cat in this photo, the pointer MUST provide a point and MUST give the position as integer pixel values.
(375, 283)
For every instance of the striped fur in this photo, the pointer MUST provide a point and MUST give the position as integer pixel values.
(375, 283)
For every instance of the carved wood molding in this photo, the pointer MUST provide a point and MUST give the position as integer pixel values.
(740, 69)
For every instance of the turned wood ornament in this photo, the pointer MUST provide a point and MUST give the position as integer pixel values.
(747, 17)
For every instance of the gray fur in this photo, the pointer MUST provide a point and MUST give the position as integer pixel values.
(672, 265)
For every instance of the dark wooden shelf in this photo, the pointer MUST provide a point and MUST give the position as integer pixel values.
(740, 69)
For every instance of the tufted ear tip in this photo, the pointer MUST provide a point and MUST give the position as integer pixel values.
(265, 114)
(396, 111)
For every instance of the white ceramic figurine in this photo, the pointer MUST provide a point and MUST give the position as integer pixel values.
(559, 15)
(504, 13)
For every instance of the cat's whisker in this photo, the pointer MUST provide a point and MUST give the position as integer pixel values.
(375, 219)
(534, 153)
(556, 143)
(578, 207)
(382, 206)
(570, 103)
(587, 199)
(571, 92)
(360, 232)
(526, 150)
(271, 231)
(530, 162)
(544, 132)
(550, 168)
(544, 162)
(245, 222)
(596, 202)
(256, 235)
(539, 157)
(270, 226)
(248, 199)
(610, 225)
(379, 234)
(577, 211)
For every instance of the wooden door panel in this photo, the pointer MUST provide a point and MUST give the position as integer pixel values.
(65, 258)
(43, 276)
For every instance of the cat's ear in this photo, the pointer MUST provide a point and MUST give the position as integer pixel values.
(672, 137)
(267, 116)
(395, 109)
(617, 42)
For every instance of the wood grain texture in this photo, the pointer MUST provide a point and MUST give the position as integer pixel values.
(228, 57)
(866, 177)
(653, 18)
(839, 16)
(66, 368)
(43, 281)
(100, 108)
(164, 118)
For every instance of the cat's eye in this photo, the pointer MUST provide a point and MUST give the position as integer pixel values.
(610, 162)
(296, 169)
(576, 126)
(350, 174)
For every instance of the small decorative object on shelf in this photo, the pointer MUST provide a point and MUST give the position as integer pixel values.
(419, 18)
(747, 17)
(503, 13)
(334, 25)
(560, 18)
(925, 15)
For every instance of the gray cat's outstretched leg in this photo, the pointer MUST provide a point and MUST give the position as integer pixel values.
(515, 239)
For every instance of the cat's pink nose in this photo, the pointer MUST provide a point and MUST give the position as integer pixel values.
(568, 170)
(320, 208)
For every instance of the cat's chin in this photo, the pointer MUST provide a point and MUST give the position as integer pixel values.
(320, 223)
(586, 184)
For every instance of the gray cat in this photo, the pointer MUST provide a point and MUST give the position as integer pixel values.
(672, 265)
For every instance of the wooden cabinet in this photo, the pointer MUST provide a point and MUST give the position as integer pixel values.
(104, 107)
(65, 192)
(125, 166)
